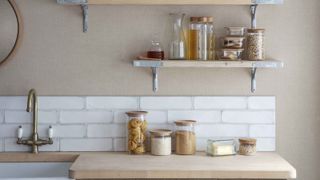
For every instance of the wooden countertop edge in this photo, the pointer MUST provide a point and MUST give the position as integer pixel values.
(41, 157)
(289, 173)
(124, 174)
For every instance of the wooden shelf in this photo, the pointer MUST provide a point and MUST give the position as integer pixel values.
(155, 65)
(170, 2)
(208, 64)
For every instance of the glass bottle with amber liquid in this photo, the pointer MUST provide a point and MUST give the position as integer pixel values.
(156, 50)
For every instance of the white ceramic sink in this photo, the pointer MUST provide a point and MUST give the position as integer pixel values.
(39, 171)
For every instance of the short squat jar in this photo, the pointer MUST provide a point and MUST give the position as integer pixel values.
(160, 142)
(136, 136)
(255, 44)
(247, 146)
(185, 137)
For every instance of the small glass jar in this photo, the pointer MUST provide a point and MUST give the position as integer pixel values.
(185, 137)
(221, 147)
(255, 44)
(230, 54)
(247, 146)
(136, 136)
(156, 50)
(235, 31)
(160, 142)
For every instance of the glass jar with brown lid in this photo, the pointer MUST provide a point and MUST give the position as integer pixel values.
(247, 146)
(136, 136)
(255, 44)
(185, 137)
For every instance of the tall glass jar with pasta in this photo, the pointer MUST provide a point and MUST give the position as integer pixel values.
(136, 134)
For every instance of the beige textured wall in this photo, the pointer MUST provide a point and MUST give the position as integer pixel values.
(56, 58)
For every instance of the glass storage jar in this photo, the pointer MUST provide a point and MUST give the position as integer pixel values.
(136, 136)
(221, 147)
(247, 146)
(255, 44)
(185, 137)
(156, 50)
(160, 142)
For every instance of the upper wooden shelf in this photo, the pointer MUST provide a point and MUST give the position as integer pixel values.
(171, 2)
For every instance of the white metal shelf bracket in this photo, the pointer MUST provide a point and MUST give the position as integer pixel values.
(155, 76)
(85, 9)
(253, 9)
(253, 79)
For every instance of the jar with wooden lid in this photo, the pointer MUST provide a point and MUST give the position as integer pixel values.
(185, 137)
(247, 146)
(255, 44)
(136, 134)
(160, 142)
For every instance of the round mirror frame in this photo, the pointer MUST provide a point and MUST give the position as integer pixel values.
(19, 32)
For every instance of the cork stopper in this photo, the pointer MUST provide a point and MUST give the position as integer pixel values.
(185, 122)
(136, 113)
(161, 132)
(250, 141)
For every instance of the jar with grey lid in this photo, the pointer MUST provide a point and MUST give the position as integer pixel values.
(255, 44)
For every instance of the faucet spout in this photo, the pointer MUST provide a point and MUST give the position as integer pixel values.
(32, 106)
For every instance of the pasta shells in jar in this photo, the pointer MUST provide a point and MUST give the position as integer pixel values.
(136, 132)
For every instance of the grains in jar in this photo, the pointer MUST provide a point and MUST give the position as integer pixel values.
(255, 44)
(247, 146)
(160, 142)
(185, 137)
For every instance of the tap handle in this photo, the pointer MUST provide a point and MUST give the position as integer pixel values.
(50, 132)
(20, 132)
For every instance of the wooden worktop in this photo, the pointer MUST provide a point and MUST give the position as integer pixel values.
(122, 166)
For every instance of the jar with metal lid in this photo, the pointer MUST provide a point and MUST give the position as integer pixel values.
(136, 136)
(185, 137)
(160, 142)
(255, 44)
(247, 146)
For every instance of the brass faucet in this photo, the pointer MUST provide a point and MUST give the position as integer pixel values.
(34, 141)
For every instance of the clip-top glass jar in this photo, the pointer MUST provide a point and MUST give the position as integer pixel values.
(160, 142)
(136, 136)
(255, 44)
(185, 137)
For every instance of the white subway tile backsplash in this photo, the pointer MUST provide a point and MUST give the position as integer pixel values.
(99, 123)
(10, 130)
(266, 144)
(112, 102)
(199, 116)
(107, 130)
(157, 103)
(69, 131)
(119, 144)
(220, 102)
(51, 147)
(69, 117)
(10, 145)
(262, 102)
(86, 145)
(66, 103)
(63, 131)
(26, 117)
(221, 130)
(249, 117)
(262, 131)
(13, 102)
